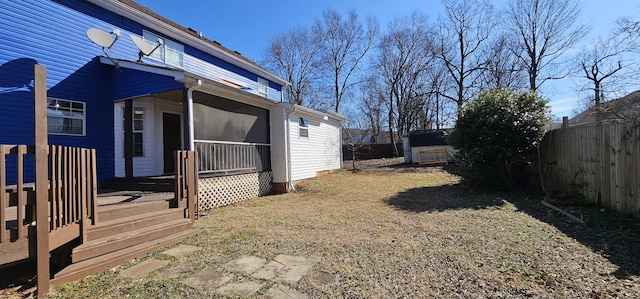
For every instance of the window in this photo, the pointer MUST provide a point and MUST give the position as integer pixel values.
(170, 53)
(303, 125)
(138, 130)
(65, 117)
(138, 127)
(263, 87)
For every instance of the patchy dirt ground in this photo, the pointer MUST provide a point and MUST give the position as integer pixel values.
(389, 230)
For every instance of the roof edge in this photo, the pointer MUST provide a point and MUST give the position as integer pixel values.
(170, 30)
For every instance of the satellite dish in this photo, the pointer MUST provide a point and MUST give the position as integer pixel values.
(145, 48)
(102, 38)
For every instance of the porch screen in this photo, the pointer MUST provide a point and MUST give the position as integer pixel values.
(219, 119)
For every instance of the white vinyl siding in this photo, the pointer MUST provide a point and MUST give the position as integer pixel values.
(152, 163)
(321, 151)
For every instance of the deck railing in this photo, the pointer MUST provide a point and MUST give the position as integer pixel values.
(222, 157)
(71, 204)
(16, 201)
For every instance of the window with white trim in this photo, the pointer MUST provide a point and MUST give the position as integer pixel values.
(263, 87)
(65, 117)
(137, 130)
(170, 53)
(303, 126)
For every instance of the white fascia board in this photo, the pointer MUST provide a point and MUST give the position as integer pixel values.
(177, 74)
(228, 92)
(337, 116)
(308, 112)
(175, 33)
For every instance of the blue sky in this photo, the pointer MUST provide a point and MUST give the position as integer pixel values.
(248, 26)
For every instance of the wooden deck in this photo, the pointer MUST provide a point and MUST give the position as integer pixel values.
(135, 217)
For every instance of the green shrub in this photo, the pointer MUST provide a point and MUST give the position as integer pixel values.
(494, 133)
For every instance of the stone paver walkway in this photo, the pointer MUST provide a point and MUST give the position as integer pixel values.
(258, 272)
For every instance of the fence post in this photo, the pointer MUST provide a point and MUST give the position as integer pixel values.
(41, 177)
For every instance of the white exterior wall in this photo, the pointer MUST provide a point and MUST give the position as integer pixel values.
(152, 162)
(319, 152)
(278, 133)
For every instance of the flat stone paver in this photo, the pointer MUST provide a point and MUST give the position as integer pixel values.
(270, 271)
(144, 268)
(283, 292)
(244, 289)
(286, 267)
(208, 279)
(175, 272)
(248, 264)
(298, 266)
(181, 250)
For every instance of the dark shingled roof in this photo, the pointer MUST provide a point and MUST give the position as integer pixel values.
(624, 109)
(428, 137)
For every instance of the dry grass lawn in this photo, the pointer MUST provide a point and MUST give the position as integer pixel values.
(392, 231)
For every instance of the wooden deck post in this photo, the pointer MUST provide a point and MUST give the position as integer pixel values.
(41, 177)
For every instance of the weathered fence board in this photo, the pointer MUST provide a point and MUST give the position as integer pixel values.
(597, 164)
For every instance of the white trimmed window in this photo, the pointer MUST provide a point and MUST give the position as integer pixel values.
(263, 87)
(65, 117)
(303, 126)
(170, 53)
(138, 128)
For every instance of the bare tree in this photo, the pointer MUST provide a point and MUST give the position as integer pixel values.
(503, 69)
(630, 29)
(345, 42)
(292, 55)
(372, 106)
(464, 28)
(602, 65)
(545, 30)
(405, 54)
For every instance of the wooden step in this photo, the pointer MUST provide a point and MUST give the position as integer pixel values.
(132, 223)
(117, 242)
(112, 212)
(14, 251)
(85, 268)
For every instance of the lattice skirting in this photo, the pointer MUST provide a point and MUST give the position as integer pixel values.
(221, 191)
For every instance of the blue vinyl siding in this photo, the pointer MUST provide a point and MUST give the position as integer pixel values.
(128, 83)
(52, 33)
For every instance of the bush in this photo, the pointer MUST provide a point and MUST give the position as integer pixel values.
(495, 131)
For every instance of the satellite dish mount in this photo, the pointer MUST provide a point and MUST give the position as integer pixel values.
(145, 48)
(104, 39)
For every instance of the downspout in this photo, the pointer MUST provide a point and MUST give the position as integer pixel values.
(288, 152)
(190, 113)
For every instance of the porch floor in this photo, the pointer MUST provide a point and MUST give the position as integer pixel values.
(122, 191)
(136, 190)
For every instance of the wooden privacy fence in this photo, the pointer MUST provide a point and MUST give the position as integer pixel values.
(599, 164)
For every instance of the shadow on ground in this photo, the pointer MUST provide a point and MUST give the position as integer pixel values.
(613, 236)
(442, 198)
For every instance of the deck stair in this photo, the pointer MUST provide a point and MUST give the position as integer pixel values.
(124, 232)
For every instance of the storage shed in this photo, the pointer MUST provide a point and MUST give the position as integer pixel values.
(428, 147)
